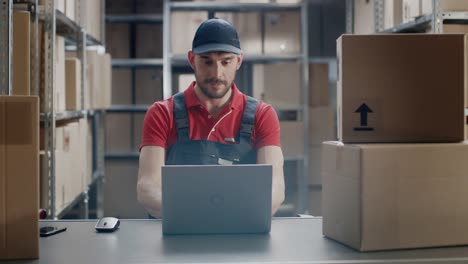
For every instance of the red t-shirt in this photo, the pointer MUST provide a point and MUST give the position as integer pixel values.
(159, 126)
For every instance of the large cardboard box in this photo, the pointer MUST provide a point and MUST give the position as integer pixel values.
(148, 86)
(278, 84)
(60, 74)
(73, 84)
(321, 124)
(318, 85)
(426, 7)
(411, 9)
(122, 86)
(454, 5)
(122, 141)
(393, 196)
(120, 200)
(364, 17)
(21, 53)
(249, 27)
(186, 22)
(282, 33)
(393, 13)
(70, 9)
(106, 81)
(401, 88)
(118, 40)
(149, 40)
(292, 138)
(460, 29)
(19, 177)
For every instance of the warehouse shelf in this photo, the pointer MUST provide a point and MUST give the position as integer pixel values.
(232, 7)
(137, 63)
(181, 60)
(122, 156)
(135, 18)
(54, 23)
(67, 115)
(420, 24)
(82, 197)
(128, 109)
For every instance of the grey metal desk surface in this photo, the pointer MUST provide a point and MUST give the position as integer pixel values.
(291, 241)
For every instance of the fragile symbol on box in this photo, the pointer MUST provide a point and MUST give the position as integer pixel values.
(363, 110)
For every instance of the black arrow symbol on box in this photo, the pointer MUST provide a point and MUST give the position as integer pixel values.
(363, 109)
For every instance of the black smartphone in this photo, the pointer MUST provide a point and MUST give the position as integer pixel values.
(46, 231)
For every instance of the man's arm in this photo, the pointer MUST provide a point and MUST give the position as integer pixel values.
(274, 155)
(149, 179)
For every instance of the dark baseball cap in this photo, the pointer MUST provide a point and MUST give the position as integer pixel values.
(216, 35)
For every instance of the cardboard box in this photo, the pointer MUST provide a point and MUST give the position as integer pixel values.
(70, 9)
(411, 9)
(73, 84)
(122, 141)
(106, 81)
(148, 86)
(364, 17)
(121, 201)
(185, 80)
(321, 124)
(21, 53)
(393, 13)
(426, 7)
(282, 33)
(149, 40)
(399, 88)
(121, 86)
(186, 22)
(454, 5)
(460, 29)
(394, 196)
(318, 85)
(19, 164)
(94, 78)
(292, 138)
(60, 74)
(278, 84)
(118, 40)
(249, 28)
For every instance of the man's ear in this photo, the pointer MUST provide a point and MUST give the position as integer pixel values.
(240, 58)
(191, 58)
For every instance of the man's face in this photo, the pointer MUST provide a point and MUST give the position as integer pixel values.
(215, 72)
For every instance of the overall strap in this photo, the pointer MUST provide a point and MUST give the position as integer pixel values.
(248, 119)
(180, 117)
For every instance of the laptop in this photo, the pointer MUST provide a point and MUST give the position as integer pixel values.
(216, 199)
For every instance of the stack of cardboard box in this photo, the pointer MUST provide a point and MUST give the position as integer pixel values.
(397, 177)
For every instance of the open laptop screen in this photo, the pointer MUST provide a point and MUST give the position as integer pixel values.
(216, 199)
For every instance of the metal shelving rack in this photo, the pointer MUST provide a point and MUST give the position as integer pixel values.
(299, 113)
(55, 22)
(132, 63)
(434, 20)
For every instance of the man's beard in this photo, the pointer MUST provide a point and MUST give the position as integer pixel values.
(206, 91)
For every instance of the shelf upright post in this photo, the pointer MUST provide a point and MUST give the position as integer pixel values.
(349, 16)
(34, 47)
(49, 51)
(6, 47)
(304, 174)
(437, 23)
(379, 13)
(167, 57)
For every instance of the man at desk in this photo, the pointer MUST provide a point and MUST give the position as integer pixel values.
(212, 122)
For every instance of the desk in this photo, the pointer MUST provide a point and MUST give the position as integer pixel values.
(291, 241)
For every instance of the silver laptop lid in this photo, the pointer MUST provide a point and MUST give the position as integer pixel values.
(216, 199)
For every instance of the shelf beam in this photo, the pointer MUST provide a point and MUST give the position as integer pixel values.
(233, 7)
(135, 18)
(137, 63)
